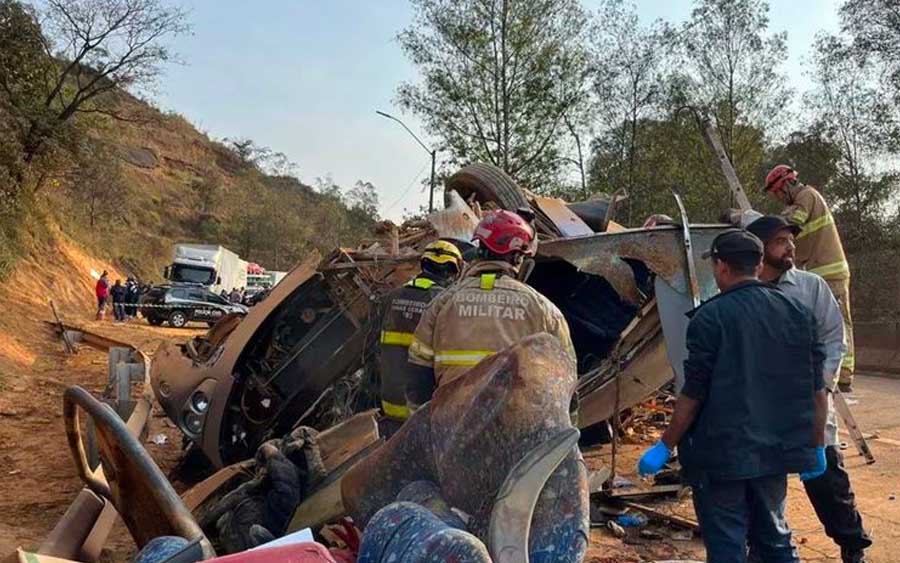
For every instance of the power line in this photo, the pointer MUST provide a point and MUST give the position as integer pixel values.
(408, 187)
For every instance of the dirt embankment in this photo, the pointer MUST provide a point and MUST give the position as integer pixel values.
(37, 476)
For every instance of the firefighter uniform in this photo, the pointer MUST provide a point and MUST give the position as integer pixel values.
(819, 250)
(403, 308)
(484, 313)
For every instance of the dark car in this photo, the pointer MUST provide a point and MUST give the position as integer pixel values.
(181, 305)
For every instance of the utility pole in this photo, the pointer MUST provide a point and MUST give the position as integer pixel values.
(431, 152)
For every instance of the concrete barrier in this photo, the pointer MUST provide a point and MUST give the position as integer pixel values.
(877, 346)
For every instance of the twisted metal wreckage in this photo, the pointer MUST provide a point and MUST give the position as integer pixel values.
(297, 365)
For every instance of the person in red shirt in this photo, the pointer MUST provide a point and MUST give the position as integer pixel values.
(102, 292)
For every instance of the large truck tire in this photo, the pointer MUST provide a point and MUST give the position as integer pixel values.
(489, 184)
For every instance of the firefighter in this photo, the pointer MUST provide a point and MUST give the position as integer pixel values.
(819, 249)
(489, 309)
(441, 264)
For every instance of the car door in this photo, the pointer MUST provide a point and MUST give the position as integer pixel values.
(217, 305)
(199, 309)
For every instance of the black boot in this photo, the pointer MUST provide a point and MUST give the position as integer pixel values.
(849, 555)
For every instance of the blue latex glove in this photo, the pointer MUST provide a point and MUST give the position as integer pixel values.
(821, 465)
(654, 459)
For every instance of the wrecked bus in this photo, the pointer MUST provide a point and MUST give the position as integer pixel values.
(297, 361)
(301, 357)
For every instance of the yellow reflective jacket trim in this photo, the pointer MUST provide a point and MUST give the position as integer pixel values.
(488, 281)
(799, 216)
(816, 225)
(849, 362)
(421, 283)
(421, 350)
(461, 357)
(394, 410)
(832, 269)
(396, 338)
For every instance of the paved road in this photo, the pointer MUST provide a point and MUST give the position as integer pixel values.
(876, 405)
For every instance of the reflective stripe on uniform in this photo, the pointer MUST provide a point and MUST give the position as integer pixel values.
(488, 281)
(396, 338)
(420, 349)
(394, 410)
(421, 283)
(461, 357)
(799, 216)
(835, 268)
(849, 362)
(815, 225)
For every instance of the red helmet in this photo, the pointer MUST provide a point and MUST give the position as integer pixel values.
(778, 177)
(503, 232)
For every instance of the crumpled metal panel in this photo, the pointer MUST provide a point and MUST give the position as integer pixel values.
(568, 223)
(469, 437)
(660, 248)
(456, 221)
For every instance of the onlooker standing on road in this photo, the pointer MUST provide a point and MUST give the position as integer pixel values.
(101, 290)
(235, 296)
(132, 293)
(752, 409)
(118, 300)
(831, 493)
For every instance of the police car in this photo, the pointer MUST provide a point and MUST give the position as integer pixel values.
(180, 305)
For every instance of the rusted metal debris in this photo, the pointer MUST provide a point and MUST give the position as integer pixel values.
(469, 437)
(673, 519)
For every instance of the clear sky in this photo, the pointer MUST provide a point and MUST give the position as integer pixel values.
(305, 77)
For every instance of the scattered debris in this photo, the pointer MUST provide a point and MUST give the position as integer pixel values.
(892, 496)
(654, 514)
(682, 535)
(620, 482)
(14, 472)
(631, 520)
(656, 490)
(596, 480)
(616, 530)
(159, 439)
(651, 535)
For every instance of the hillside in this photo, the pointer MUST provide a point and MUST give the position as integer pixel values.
(149, 179)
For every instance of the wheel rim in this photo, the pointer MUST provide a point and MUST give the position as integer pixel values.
(178, 319)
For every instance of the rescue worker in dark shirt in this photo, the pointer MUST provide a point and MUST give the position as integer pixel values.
(752, 409)
(404, 383)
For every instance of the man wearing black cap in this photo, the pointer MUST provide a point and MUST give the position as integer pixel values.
(830, 494)
(752, 409)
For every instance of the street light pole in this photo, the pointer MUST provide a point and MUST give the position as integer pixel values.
(431, 152)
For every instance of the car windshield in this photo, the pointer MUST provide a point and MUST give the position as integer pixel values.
(193, 274)
(213, 298)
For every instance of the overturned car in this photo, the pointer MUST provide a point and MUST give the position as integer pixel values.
(303, 356)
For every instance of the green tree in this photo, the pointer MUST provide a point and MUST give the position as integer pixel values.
(629, 87)
(873, 27)
(732, 72)
(95, 48)
(810, 152)
(497, 79)
(96, 184)
(24, 69)
(362, 199)
(847, 105)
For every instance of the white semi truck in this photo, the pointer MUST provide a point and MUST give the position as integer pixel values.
(211, 266)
